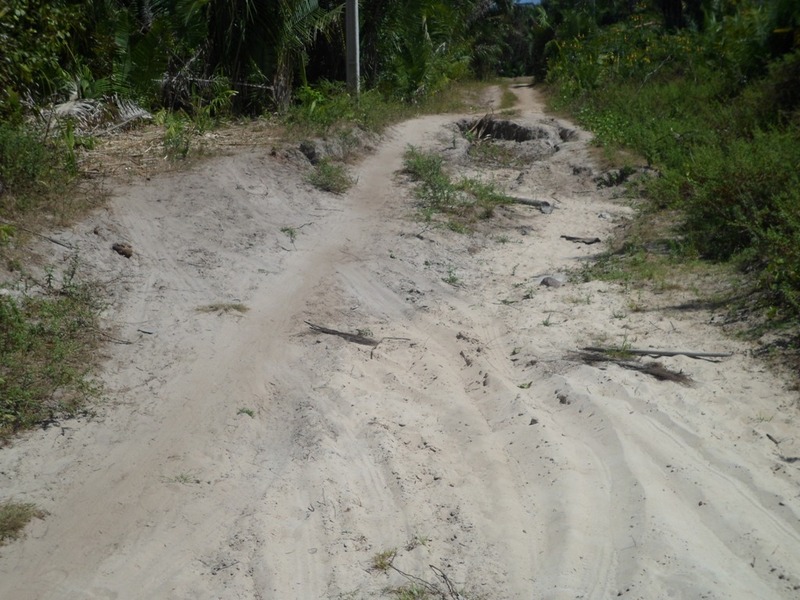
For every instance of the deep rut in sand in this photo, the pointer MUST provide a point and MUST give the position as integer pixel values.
(246, 456)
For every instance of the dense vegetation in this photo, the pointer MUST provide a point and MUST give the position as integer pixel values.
(179, 53)
(706, 91)
(709, 94)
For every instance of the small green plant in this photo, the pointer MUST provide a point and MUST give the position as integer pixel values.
(382, 561)
(246, 411)
(185, 478)
(412, 591)
(762, 418)
(364, 332)
(549, 320)
(452, 278)
(330, 177)
(416, 541)
(622, 351)
(14, 516)
(463, 202)
(525, 386)
(290, 232)
(177, 133)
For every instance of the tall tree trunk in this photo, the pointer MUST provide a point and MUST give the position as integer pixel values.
(673, 14)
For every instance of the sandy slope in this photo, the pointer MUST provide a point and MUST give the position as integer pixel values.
(591, 482)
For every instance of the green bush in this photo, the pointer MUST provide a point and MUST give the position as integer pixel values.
(717, 115)
(32, 169)
(25, 159)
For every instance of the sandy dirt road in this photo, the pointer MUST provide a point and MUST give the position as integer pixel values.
(243, 456)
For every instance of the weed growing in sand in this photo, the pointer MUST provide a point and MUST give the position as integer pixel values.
(46, 350)
(464, 202)
(762, 418)
(290, 232)
(452, 278)
(14, 516)
(382, 561)
(416, 541)
(622, 351)
(246, 411)
(412, 591)
(177, 133)
(185, 478)
(223, 308)
(549, 320)
(330, 177)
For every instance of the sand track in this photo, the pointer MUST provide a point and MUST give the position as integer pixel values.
(475, 444)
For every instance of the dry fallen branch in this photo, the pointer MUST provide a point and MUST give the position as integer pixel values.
(655, 352)
(653, 369)
(543, 205)
(39, 235)
(582, 240)
(350, 337)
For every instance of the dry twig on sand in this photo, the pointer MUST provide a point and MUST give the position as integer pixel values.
(582, 240)
(655, 352)
(350, 337)
(654, 369)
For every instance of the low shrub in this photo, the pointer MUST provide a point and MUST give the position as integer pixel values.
(717, 116)
(46, 344)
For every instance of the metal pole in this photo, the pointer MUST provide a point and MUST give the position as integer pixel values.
(353, 53)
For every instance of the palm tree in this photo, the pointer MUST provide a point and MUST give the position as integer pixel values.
(265, 43)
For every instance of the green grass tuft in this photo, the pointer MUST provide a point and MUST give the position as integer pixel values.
(463, 202)
(14, 516)
(331, 177)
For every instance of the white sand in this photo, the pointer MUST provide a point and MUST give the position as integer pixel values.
(593, 482)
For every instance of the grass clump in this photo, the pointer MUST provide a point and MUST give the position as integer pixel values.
(412, 592)
(382, 561)
(14, 516)
(332, 177)
(463, 202)
(46, 353)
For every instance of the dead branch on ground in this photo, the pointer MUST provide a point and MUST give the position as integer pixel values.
(654, 369)
(655, 352)
(582, 240)
(350, 337)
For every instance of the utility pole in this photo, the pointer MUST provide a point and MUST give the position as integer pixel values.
(353, 51)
